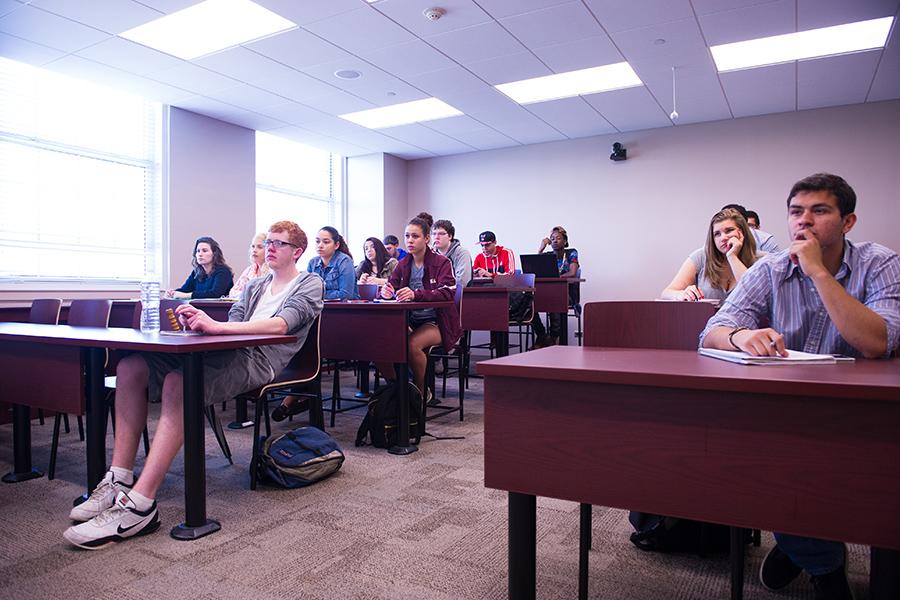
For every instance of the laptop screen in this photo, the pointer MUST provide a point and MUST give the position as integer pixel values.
(542, 265)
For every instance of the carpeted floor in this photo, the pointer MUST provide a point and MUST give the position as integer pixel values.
(390, 527)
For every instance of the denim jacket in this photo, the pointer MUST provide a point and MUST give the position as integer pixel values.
(339, 276)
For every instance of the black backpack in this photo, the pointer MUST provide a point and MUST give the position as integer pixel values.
(657, 533)
(382, 419)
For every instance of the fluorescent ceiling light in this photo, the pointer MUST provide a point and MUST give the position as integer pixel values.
(416, 111)
(573, 83)
(208, 27)
(815, 43)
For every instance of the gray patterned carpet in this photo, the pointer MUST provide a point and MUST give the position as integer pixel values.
(389, 527)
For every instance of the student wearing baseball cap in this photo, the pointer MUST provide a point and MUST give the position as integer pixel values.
(494, 259)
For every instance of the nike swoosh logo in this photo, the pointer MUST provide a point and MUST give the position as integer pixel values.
(127, 529)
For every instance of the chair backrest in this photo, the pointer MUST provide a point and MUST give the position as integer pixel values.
(306, 363)
(640, 324)
(45, 310)
(89, 313)
(515, 279)
(368, 291)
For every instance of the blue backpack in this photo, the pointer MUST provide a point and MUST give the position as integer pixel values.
(299, 458)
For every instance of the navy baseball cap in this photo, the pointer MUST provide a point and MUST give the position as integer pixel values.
(487, 236)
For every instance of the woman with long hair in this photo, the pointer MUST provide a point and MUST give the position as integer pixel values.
(211, 277)
(334, 264)
(712, 272)
(376, 266)
(257, 268)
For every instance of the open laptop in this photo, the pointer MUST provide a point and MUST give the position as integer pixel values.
(542, 265)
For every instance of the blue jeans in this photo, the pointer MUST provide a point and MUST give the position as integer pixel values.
(815, 556)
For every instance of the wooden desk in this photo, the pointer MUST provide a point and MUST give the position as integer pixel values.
(486, 308)
(809, 450)
(370, 332)
(551, 295)
(17, 339)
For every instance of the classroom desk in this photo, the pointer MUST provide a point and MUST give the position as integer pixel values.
(371, 332)
(19, 339)
(551, 295)
(486, 308)
(810, 450)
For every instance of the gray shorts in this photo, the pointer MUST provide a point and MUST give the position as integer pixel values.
(226, 373)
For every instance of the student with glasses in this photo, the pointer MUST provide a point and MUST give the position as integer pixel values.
(286, 301)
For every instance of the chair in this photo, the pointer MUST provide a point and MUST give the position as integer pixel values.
(519, 279)
(304, 369)
(82, 313)
(575, 308)
(658, 325)
(461, 355)
(45, 311)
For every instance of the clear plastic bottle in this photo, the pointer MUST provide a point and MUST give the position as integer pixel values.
(149, 307)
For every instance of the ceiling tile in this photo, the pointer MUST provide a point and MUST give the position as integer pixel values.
(835, 80)
(512, 67)
(475, 43)
(756, 21)
(332, 101)
(50, 30)
(453, 126)
(699, 92)
(255, 121)
(580, 54)
(111, 16)
(886, 85)
(27, 52)
(297, 48)
(616, 15)
(572, 116)
(170, 6)
(449, 82)
(486, 139)
(360, 31)
(248, 97)
(520, 125)
(7, 6)
(761, 91)
(682, 42)
(191, 77)
(429, 139)
(209, 107)
(812, 14)
(409, 14)
(507, 8)
(374, 85)
(554, 25)
(409, 59)
(304, 136)
(630, 109)
(128, 56)
(307, 11)
(705, 7)
(292, 112)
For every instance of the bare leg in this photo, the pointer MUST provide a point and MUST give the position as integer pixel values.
(131, 409)
(420, 340)
(168, 439)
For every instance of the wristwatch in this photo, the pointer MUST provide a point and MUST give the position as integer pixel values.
(731, 336)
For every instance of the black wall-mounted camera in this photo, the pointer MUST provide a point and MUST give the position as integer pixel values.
(618, 152)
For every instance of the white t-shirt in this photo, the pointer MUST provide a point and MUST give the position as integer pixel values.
(269, 303)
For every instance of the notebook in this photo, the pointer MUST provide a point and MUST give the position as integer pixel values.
(542, 265)
(793, 357)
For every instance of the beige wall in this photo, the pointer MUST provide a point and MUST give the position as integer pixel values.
(376, 192)
(212, 189)
(634, 222)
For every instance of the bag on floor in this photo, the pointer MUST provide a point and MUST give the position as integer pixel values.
(657, 533)
(382, 418)
(299, 458)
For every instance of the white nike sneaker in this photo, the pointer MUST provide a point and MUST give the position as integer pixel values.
(122, 520)
(103, 496)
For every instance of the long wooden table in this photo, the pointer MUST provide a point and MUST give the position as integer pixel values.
(810, 450)
(551, 295)
(486, 308)
(20, 341)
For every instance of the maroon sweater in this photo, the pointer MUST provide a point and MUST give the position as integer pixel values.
(438, 284)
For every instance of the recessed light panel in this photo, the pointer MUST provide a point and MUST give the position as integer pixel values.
(416, 111)
(208, 27)
(814, 43)
(573, 83)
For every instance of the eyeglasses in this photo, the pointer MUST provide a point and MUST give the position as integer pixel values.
(278, 244)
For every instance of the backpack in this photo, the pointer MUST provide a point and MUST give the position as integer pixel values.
(382, 417)
(657, 533)
(299, 458)
(520, 304)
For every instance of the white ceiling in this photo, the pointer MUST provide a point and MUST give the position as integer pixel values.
(285, 84)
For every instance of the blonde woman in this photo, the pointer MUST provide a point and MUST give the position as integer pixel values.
(257, 268)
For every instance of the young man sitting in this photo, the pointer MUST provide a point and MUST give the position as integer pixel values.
(286, 301)
(824, 294)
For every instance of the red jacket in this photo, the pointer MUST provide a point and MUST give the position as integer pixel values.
(438, 283)
(501, 262)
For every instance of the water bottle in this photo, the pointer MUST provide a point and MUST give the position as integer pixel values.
(149, 307)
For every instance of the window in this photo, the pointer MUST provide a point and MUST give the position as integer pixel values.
(80, 201)
(296, 183)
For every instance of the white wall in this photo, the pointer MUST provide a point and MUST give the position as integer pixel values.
(212, 189)
(376, 192)
(634, 222)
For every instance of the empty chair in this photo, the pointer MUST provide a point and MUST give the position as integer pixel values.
(46, 312)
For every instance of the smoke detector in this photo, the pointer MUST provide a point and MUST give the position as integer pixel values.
(433, 14)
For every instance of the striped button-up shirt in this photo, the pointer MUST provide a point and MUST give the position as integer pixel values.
(776, 290)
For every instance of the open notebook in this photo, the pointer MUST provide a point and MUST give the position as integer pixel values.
(793, 357)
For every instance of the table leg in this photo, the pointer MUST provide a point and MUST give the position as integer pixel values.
(22, 470)
(884, 576)
(522, 546)
(403, 446)
(564, 328)
(363, 392)
(95, 438)
(737, 562)
(196, 524)
(241, 419)
(584, 545)
(501, 342)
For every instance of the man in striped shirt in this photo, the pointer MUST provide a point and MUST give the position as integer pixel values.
(824, 294)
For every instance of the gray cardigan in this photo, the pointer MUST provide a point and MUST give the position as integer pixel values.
(300, 308)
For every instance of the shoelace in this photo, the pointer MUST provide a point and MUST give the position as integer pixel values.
(110, 514)
(102, 489)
